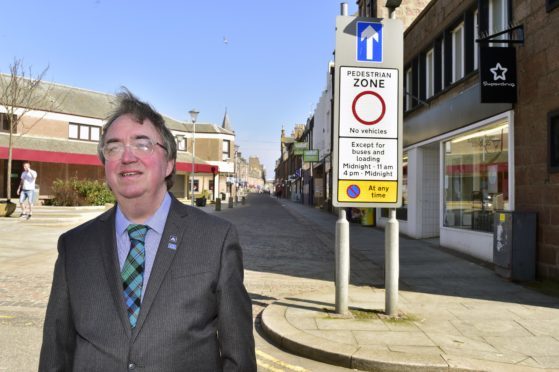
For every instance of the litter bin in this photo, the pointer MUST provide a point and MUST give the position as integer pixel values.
(514, 245)
(367, 216)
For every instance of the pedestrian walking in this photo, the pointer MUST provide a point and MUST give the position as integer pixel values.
(152, 284)
(26, 190)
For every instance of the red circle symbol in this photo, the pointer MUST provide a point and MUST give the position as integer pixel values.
(360, 119)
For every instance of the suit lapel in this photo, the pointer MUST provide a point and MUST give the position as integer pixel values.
(163, 259)
(112, 267)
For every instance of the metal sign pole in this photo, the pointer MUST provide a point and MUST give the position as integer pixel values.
(391, 249)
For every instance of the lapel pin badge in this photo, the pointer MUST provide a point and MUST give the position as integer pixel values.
(172, 242)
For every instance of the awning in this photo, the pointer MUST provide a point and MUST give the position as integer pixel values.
(42, 156)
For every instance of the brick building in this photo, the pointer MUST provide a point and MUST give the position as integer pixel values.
(465, 159)
(61, 143)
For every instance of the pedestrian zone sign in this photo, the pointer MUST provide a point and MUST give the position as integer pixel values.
(368, 135)
(367, 168)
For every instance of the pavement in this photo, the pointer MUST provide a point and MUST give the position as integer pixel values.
(454, 313)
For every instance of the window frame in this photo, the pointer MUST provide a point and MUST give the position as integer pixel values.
(430, 73)
(476, 36)
(226, 154)
(4, 120)
(458, 75)
(408, 91)
(181, 142)
(553, 147)
(551, 4)
(80, 128)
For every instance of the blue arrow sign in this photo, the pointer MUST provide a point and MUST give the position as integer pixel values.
(369, 42)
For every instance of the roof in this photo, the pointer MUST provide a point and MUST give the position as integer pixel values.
(86, 103)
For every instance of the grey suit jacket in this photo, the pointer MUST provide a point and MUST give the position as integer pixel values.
(195, 316)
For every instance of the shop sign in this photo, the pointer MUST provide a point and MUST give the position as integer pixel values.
(299, 148)
(311, 156)
(498, 74)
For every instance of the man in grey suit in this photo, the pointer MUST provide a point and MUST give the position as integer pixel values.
(152, 284)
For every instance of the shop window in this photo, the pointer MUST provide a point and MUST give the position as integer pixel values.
(458, 53)
(429, 74)
(553, 119)
(476, 172)
(84, 132)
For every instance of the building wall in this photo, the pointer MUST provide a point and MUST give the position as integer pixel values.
(434, 19)
(407, 11)
(538, 94)
(43, 127)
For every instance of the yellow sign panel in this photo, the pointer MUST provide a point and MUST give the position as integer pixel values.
(367, 191)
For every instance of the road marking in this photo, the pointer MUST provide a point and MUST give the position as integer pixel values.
(7, 316)
(278, 362)
(267, 366)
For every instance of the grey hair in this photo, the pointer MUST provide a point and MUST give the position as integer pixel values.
(128, 104)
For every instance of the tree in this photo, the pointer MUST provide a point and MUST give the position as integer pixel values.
(21, 92)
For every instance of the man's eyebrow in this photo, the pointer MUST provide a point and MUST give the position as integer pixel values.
(139, 136)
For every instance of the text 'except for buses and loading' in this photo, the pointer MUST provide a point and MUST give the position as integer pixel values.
(368, 159)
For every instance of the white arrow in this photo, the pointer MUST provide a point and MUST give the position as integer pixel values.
(369, 33)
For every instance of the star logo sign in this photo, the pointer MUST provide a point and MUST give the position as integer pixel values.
(499, 72)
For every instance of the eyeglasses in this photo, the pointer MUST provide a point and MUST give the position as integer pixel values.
(141, 147)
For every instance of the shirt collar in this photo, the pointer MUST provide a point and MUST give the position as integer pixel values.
(156, 222)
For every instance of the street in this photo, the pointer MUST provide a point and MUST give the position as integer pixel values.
(284, 256)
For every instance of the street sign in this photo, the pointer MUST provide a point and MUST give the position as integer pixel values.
(311, 156)
(369, 41)
(299, 148)
(367, 156)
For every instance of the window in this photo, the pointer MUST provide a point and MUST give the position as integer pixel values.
(181, 142)
(442, 65)
(551, 4)
(5, 123)
(408, 90)
(226, 149)
(402, 212)
(476, 36)
(498, 18)
(84, 132)
(458, 53)
(476, 177)
(429, 73)
(553, 122)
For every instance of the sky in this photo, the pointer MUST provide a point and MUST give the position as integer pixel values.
(265, 62)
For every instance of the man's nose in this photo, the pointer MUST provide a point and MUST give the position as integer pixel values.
(128, 154)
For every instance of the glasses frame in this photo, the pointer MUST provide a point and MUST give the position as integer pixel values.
(133, 148)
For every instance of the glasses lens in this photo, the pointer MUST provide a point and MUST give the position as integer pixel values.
(113, 150)
(142, 146)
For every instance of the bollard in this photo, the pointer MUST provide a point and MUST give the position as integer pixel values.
(218, 204)
(236, 199)
(243, 200)
(342, 263)
(392, 264)
(230, 202)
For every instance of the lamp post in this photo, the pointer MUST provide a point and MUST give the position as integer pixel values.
(193, 116)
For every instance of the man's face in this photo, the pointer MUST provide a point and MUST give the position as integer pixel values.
(133, 176)
(26, 166)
